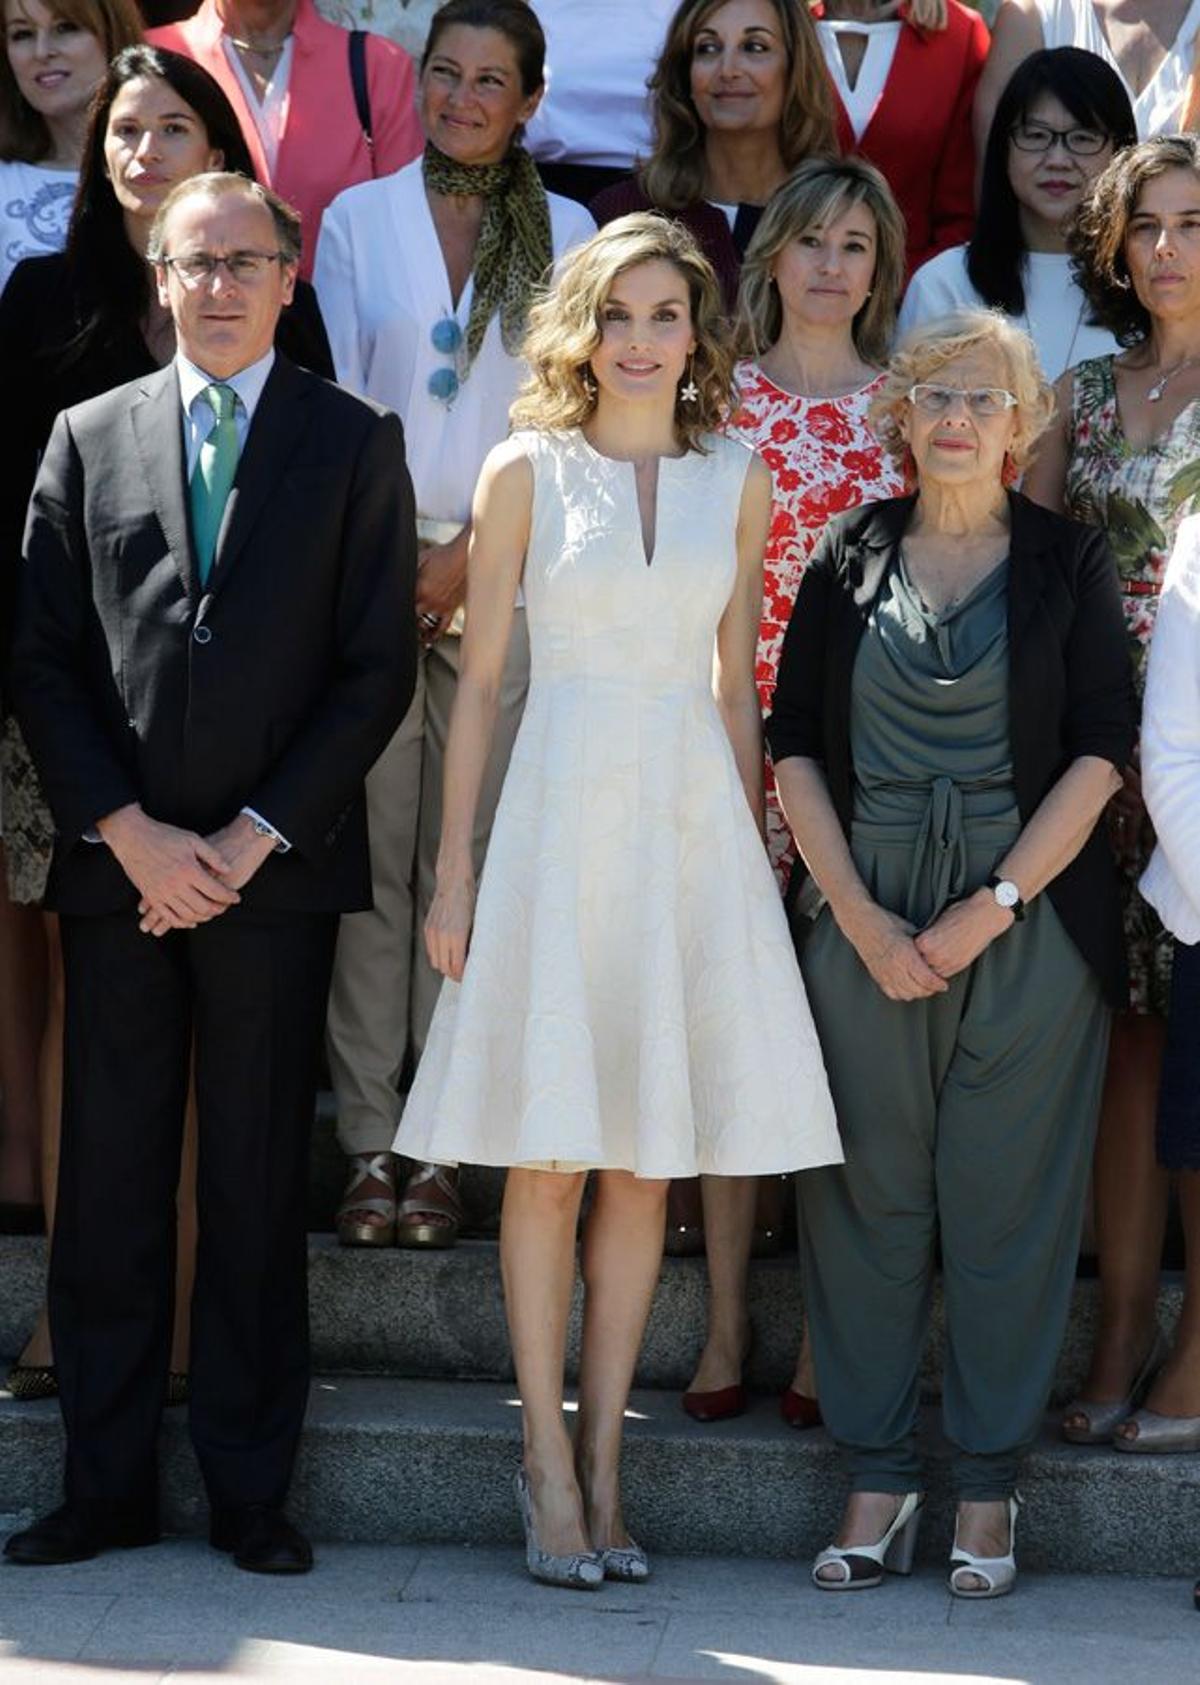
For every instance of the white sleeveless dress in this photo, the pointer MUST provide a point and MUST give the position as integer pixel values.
(631, 998)
(1158, 108)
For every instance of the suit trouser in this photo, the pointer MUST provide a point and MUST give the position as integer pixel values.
(971, 1115)
(249, 991)
(384, 988)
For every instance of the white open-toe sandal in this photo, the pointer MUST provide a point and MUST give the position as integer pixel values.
(862, 1566)
(999, 1573)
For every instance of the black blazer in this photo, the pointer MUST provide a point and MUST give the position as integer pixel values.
(276, 687)
(1070, 682)
(42, 311)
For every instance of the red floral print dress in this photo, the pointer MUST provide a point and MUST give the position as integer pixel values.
(823, 458)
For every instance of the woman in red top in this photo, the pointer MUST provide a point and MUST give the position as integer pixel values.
(904, 81)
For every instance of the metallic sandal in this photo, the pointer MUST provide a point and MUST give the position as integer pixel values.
(999, 1573)
(863, 1566)
(625, 1562)
(1157, 1433)
(1103, 1420)
(581, 1571)
(29, 1381)
(368, 1167)
(439, 1197)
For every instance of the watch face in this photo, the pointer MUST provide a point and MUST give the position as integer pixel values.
(1007, 894)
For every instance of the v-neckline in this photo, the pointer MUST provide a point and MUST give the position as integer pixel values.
(649, 552)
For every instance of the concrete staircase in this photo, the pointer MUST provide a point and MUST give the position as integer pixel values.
(414, 1427)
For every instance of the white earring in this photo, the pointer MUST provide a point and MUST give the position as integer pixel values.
(691, 392)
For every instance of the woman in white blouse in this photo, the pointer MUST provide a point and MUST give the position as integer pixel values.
(424, 279)
(1171, 884)
(1059, 121)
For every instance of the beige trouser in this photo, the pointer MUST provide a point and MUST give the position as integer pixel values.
(384, 988)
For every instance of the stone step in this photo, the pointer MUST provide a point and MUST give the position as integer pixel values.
(420, 1461)
(440, 1315)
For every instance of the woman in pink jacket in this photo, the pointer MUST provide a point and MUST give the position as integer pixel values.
(289, 76)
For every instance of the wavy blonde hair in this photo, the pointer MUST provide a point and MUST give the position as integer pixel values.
(673, 176)
(813, 196)
(565, 328)
(924, 352)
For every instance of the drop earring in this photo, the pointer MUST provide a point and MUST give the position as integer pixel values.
(589, 382)
(691, 392)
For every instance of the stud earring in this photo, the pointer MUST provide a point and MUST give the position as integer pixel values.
(691, 392)
(589, 382)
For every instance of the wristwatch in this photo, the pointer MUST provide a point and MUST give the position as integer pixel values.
(1007, 896)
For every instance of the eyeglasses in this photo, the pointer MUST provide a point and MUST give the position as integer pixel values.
(194, 268)
(977, 400)
(446, 337)
(1040, 137)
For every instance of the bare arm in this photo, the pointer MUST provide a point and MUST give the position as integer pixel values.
(499, 537)
(737, 639)
(1046, 481)
(1057, 830)
(1016, 33)
(883, 941)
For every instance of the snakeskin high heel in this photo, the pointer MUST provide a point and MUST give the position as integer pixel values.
(581, 1571)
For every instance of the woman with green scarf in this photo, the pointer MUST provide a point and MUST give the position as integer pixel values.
(425, 279)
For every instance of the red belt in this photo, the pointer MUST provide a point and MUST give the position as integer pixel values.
(1140, 588)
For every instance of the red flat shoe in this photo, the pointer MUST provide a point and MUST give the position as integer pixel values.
(799, 1410)
(716, 1406)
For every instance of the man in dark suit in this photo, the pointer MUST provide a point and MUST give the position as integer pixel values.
(214, 643)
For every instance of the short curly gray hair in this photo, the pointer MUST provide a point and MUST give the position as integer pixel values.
(925, 351)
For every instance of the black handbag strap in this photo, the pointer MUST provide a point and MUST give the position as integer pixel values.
(362, 94)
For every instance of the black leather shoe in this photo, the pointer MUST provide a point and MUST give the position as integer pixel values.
(69, 1534)
(261, 1540)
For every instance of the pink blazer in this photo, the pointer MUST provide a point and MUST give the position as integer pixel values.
(323, 149)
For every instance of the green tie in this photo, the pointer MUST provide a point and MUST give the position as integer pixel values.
(213, 475)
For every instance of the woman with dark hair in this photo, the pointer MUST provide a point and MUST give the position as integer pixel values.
(1125, 456)
(1061, 118)
(740, 96)
(74, 325)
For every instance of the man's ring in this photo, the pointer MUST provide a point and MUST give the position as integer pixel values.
(430, 619)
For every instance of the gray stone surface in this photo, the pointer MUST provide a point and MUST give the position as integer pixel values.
(454, 1616)
(408, 1462)
(441, 1315)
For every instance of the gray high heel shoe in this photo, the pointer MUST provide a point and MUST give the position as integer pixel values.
(1103, 1420)
(1157, 1433)
(581, 1571)
(625, 1562)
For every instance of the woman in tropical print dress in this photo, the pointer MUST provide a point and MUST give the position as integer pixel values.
(1126, 456)
(819, 293)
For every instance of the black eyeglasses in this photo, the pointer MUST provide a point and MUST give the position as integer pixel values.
(195, 267)
(1040, 137)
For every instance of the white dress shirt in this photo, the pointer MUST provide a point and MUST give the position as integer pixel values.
(1171, 743)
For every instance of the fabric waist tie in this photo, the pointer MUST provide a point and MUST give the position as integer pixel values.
(940, 850)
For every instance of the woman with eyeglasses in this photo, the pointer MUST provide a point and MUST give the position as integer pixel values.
(953, 707)
(425, 279)
(1059, 121)
(74, 325)
(1126, 457)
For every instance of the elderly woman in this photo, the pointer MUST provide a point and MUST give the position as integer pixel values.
(1125, 456)
(954, 703)
(739, 97)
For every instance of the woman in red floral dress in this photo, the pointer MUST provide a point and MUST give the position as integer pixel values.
(817, 310)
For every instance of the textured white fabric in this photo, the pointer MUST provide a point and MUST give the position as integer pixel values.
(882, 40)
(1171, 743)
(35, 208)
(1055, 309)
(631, 998)
(1073, 23)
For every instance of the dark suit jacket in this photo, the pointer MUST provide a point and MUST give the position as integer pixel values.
(42, 310)
(275, 687)
(1070, 687)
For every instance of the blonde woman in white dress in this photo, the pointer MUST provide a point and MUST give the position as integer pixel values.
(630, 1003)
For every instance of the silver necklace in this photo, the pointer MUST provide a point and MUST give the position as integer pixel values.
(1160, 386)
